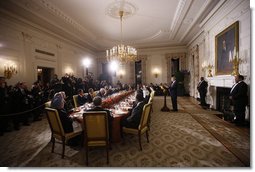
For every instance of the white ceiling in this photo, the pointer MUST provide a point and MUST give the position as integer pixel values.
(152, 23)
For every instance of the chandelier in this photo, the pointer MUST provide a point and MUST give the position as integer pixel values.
(122, 53)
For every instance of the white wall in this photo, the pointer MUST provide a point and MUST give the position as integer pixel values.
(18, 42)
(230, 12)
(156, 58)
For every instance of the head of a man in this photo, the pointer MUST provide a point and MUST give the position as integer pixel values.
(239, 78)
(139, 96)
(173, 78)
(58, 101)
(97, 101)
(80, 92)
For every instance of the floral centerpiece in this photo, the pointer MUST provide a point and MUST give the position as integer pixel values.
(110, 101)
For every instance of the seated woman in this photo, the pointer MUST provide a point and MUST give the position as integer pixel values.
(81, 97)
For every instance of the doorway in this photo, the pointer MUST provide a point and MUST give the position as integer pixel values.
(175, 66)
(44, 75)
(138, 73)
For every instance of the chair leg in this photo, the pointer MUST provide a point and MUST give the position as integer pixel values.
(87, 156)
(147, 136)
(63, 149)
(139, 135)
(107, 153)
(53, 144)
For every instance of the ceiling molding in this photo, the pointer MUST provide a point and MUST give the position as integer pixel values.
(60, 14)
(26, 5)
(178, 13)
(202, 9)
(13, 20)
(154, 36)
(87, 23)
(213, 11)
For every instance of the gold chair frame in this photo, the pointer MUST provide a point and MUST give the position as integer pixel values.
(143, 126)
(75, 100)
(96, 132)
(57, 131)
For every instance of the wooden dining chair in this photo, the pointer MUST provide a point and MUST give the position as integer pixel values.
(143, 126)
(75, 100)
(96, 131)
(57, 131)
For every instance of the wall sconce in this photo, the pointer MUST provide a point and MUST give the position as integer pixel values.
(69, 71)
(208, 66)
(235, 60)
(10, 70)
(39, 70)
(156, 72)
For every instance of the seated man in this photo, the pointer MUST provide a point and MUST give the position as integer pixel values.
(68, 123)
(133, 120)
(97, 101)
(81, 97)
(101, 92)
(90, 95)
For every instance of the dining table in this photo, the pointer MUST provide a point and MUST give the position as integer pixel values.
(119, 110)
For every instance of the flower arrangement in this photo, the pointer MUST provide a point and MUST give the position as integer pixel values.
(109, 102)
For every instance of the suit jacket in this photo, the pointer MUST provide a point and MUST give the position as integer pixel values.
(67, 122)
(89, 98)
(136, 114)
(173, 89)
(81, 100)
(202, 87)
(239, 94)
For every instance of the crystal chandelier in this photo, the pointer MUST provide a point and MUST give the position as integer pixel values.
(122, 53)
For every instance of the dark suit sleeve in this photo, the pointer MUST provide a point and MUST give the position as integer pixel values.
(66, 121)
(136, 114)
(241, 91)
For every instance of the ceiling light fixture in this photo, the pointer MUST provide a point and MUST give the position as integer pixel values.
(122, 53)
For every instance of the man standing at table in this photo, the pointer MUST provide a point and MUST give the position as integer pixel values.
(173, 93)
(238, 95)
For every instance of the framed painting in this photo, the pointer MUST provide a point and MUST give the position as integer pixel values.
(226, 42)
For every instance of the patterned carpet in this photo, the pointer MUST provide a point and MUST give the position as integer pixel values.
(192, 137)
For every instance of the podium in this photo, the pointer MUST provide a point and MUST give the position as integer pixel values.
(165, 108)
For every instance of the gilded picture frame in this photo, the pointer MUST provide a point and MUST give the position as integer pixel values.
(225, 43)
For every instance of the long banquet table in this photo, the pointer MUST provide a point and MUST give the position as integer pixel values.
(119, 104)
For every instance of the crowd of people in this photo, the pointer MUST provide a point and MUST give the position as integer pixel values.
(20, 105)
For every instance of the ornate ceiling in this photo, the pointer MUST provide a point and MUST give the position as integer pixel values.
(94, 24)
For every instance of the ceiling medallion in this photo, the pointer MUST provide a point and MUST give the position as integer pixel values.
(114, 8)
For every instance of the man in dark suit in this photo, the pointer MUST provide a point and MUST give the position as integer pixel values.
(97, 101)
(173, 93)
(239, 97)
(81, 97)
(133, 120)
(202, 89)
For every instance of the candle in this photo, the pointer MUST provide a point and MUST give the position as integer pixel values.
(234, 52)
(230, 56)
